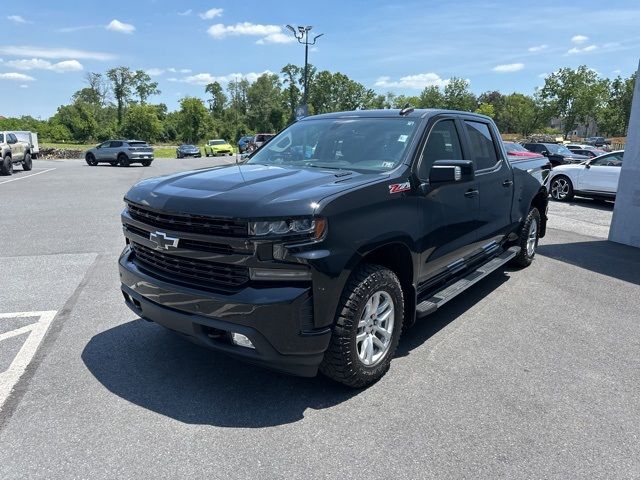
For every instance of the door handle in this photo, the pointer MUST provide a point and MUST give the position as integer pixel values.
(471, 193)
(507, 183)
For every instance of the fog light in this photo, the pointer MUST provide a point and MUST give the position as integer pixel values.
(241, 340)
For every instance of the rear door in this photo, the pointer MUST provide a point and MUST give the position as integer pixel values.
(448, 212)
(602, 174)
(494, 180)
(17, 147)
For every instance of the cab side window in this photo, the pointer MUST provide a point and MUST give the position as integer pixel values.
(443, 144)
(482, 145)
(116, 144)
(1, 137)
(607, 161)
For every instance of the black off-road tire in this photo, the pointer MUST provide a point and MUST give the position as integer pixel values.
(123, 160)
(146, 163)
(525, 256)
(27, 164)
(6, 166)
(341, 362)
(90, 159)
(568, 196)
(113, 164)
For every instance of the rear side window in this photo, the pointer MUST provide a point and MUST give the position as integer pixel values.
(1, 137)
(443, 144)
(116, 144)
(482, 147)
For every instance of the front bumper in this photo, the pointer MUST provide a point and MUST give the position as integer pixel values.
(274, 319)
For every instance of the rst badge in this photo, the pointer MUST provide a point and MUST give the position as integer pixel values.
(399, 187)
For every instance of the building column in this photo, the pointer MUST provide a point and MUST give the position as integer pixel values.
(625, 225)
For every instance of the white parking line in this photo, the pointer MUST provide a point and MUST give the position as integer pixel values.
(9, 378)
(27, 176)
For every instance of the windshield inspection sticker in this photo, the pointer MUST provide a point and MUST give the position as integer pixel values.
(403, 138)
(399, 187)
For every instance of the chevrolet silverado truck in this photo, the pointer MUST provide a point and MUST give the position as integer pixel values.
(13, 151)
(333, 238)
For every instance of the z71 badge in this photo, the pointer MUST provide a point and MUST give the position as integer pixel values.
(399, 187)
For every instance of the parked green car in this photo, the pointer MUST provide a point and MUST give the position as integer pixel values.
(217, 147)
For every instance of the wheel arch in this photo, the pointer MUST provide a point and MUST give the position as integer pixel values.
(541, 202)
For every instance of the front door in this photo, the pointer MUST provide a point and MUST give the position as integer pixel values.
(602, 174)
(448, 212)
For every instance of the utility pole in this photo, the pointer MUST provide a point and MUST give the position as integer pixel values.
(301, 34)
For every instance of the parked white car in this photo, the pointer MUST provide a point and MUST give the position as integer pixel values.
(595, 178)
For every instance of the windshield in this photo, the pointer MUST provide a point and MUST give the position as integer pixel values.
(558, 149)
(217, 142)
(362, 144)
(514, 147)
(188, 146)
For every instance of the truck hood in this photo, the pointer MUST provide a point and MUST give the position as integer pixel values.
(246, 191)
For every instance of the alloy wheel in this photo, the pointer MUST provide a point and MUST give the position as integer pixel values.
(375, 328)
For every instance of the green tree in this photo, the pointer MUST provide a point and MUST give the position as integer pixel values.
(613, 118)
(264, 104)
(521, 114)
(122, 84)
(218, 100)
(575, 96)
(142, 122)
(431, 97)
(457, 95)
(193, 122)
(78, 118)
(144, 86)
(486, 109)
(292, 76)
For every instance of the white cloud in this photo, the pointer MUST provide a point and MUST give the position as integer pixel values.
(617, 71)
(154, 72)
(269, 33)
(185, 70)
(40, 64)
(120, 27)
(18, 77)
(278, 37)
(211, 13)
(205, 78)
(543, 75)
(24, 85)
(508, 67)
(579, 39)
(17, 19)
(418, 81)
(78, 28)
(44, 52)
(186, 13)
(538, 48)
(576, 50)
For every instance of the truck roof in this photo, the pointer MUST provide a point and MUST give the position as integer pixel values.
(394, 112)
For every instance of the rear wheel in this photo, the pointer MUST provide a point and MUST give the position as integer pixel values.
(27, 164)
(367, 328)
(528, 239)
(6, 167)
(146, 163)
(561, 188)
(123, 160)
(91, 159)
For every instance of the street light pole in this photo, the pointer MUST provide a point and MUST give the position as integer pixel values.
(301, 34)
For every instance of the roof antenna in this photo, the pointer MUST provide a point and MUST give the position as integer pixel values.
(406, 110)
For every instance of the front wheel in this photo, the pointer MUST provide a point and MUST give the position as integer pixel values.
(6, 166)
(27, 164)
(528, 237)
(561, 188)
(91, 160)
(367, 328)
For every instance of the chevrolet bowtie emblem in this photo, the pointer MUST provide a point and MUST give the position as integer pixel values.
(163, 241)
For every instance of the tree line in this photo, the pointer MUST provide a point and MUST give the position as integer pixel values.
(116, 104)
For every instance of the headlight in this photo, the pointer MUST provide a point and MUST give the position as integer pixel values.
(313, 227)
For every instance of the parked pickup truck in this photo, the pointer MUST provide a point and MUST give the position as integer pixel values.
(12, 151)
(331, 239)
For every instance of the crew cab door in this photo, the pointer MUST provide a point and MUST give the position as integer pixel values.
(601, 174)
(493, 178)
(447, 212)
(17, 148)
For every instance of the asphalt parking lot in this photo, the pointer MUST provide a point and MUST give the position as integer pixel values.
(534, 373)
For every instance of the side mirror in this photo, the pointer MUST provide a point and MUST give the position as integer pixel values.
(451, 171)
(545, 153)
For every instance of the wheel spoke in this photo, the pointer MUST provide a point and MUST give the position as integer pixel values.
(385, 333)
(378, 343)
(360, 337)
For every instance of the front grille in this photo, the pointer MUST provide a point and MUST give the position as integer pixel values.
(190, 271)
(187, 243)
(188, 223)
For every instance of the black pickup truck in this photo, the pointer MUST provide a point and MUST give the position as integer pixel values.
(332, 238)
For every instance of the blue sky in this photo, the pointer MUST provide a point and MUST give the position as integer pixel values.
(401, 46)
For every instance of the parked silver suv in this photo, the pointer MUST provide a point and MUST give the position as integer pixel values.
(120, 152)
